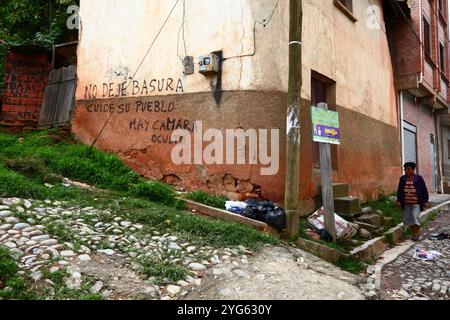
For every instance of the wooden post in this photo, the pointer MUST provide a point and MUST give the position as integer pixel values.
(293, 134)
(327, 185)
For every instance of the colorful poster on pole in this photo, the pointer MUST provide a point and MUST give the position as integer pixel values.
(325, 125)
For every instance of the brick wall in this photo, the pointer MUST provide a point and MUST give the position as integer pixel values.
(421, 116)
(408, 57)
(26, 76)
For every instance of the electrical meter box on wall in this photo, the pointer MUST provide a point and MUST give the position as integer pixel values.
(209, 64)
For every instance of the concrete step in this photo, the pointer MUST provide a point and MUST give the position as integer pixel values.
(339, 190)
(347, 207)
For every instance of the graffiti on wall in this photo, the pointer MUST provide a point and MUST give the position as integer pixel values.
(133, 88)
(24, 86)
(159, 126)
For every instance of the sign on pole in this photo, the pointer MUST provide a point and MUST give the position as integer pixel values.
(326, 131)
(325, 126)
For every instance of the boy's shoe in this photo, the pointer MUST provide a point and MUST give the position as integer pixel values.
(415, 238)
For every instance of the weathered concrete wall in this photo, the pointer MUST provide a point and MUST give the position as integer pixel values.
(26, 76)
(118, 34)
(355, 55)
(251, 92)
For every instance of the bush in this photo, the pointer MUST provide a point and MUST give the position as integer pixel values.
(209, 200)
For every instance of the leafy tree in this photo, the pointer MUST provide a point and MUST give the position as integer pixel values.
(39, 22)
(36, 22)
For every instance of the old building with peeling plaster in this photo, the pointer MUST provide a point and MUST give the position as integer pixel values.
(129, 57)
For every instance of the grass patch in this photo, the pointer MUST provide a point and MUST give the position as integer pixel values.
(14, 184)
(28, 160)
(205, 231)
(388, 208)
(152, 204)
(62, 292)
(54, 152)
(407, 233)
(59, 230)
(389, 238)
(208, 199)
(12, 285)
(351, 265)
(158, 192)
(433, 216)
(161, 270)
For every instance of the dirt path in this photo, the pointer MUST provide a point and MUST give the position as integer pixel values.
(278, 273)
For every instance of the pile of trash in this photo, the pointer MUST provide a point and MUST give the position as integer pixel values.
(344, 230)
(426, 255)
(439, 236)
(264, 211)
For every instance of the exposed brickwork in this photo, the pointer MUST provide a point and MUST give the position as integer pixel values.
(410, 56)
(26, 76)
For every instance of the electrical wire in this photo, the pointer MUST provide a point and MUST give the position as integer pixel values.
(182, 28)
(134, 75)
(376, 17)
(264, 23)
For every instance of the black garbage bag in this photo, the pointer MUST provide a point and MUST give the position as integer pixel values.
(250, 213)
(325, 236)
(265, 211)
(276, 218)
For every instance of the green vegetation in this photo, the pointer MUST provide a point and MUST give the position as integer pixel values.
(388, 208)
(48, 156)
(432, 216)
(208, 199)
(12, 285)
(53, 154)
(158, 192)
(407, 233)
(161, 270)
(29, 161)
(61, 292)
(35, 22)
(204, 231)
(351, 265)
(389, 238)
(342, 246)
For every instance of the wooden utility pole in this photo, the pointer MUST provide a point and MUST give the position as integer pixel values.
(327, 185)
(293, 134)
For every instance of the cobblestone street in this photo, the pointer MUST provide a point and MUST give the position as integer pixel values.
(411, 278)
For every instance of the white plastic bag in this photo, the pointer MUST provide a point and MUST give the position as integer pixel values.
(426, 255)
(235, 206)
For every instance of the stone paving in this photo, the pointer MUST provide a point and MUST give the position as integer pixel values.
(102, 245)
(106, 249)
(411, 278)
